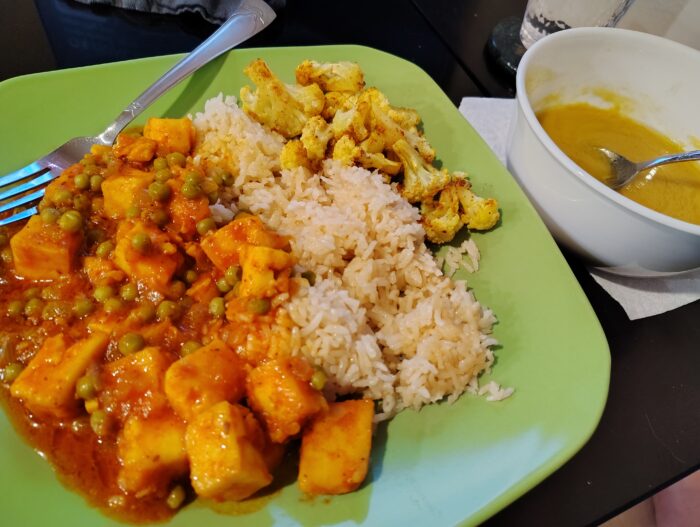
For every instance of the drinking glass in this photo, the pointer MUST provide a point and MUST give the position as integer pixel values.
(543, 17)
(512, 36)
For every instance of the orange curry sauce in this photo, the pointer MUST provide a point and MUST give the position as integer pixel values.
(141, 341)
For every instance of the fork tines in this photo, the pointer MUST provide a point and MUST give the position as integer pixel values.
(17, 190)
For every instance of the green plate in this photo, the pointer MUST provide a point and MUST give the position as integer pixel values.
(445, 465)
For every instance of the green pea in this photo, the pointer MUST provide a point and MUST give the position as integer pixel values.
(163, 175)
(129, 292)
(318, 379)
(189, 347)
(176, 159)
(103, 293)
(133, 211)
(159, 163)
(33, 307)
(82, 307)
(259, 306)
(33, 292)
(50, 293)
(141, 242)
(176, 497)
(15, 308)
(4, 238)
(91, 169)
(192, 176)
(82, 181)
(222, 285)
(82, 202)
(112, 305)
(159, 217)
(233, 275)
(100, 422)
(177, 289)
(6, 256)
(145, 313)
(70, 221)
(62, 196)
(228, 179)
(206, 225)
(159, 191)
(96, 183)
(88, 159)
(11, 372)
(54, 310)
(213, 197)
(104, 249)
(191, 276)
(310, 277)
(216, 175)
(191, 190)
(166, 309)
(86, 387)
(50, 215)
(217, 307)
(131, 343)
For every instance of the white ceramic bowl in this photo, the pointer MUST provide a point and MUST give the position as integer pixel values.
(660, 80)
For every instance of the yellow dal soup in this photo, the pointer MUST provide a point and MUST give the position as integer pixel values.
(580, 129)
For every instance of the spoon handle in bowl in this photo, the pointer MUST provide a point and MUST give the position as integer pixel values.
(693, 155)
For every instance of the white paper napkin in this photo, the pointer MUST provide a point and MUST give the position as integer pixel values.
(639, 297)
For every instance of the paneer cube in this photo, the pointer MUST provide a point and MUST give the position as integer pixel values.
(172, 135)
(186, 212)
(135, 148)
(335, 448)
(223, 247)
(122, 191)
(226, 462)
(211, 374)
(134, 383)
(279, 392)
(47, 385)
(45, 251)
(265, 271)
(102, 271)
(204, 289)
(154, 266)
(152, 453)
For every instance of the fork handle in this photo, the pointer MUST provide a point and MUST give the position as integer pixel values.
(249, 18)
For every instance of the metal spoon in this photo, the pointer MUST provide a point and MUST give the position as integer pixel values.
(623, 170)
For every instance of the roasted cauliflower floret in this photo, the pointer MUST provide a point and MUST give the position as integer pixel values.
(331, 76)
(394, 124)
(455, 207)
(335, 100)
(378, 161)
(283, 107)
(346, 151)
(294, 155)
(421, 181)
(352, 119)
(315, 136)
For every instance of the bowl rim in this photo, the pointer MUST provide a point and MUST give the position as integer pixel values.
(589, 180)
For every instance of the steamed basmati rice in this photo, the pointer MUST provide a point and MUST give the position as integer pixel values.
(381, 319)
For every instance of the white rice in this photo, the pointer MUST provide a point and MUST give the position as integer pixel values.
(382, 319)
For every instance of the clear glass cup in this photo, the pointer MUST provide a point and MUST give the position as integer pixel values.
(543, 17)
(513, 35)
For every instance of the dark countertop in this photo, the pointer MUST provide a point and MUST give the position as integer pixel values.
(649, 435)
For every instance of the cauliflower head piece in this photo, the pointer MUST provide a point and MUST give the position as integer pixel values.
(331, 76)
(453, 208)
(421, 181)
(283, 107)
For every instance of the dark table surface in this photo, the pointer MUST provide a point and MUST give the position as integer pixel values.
(649, 435)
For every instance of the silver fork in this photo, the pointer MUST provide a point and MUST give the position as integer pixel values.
(248, 18)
